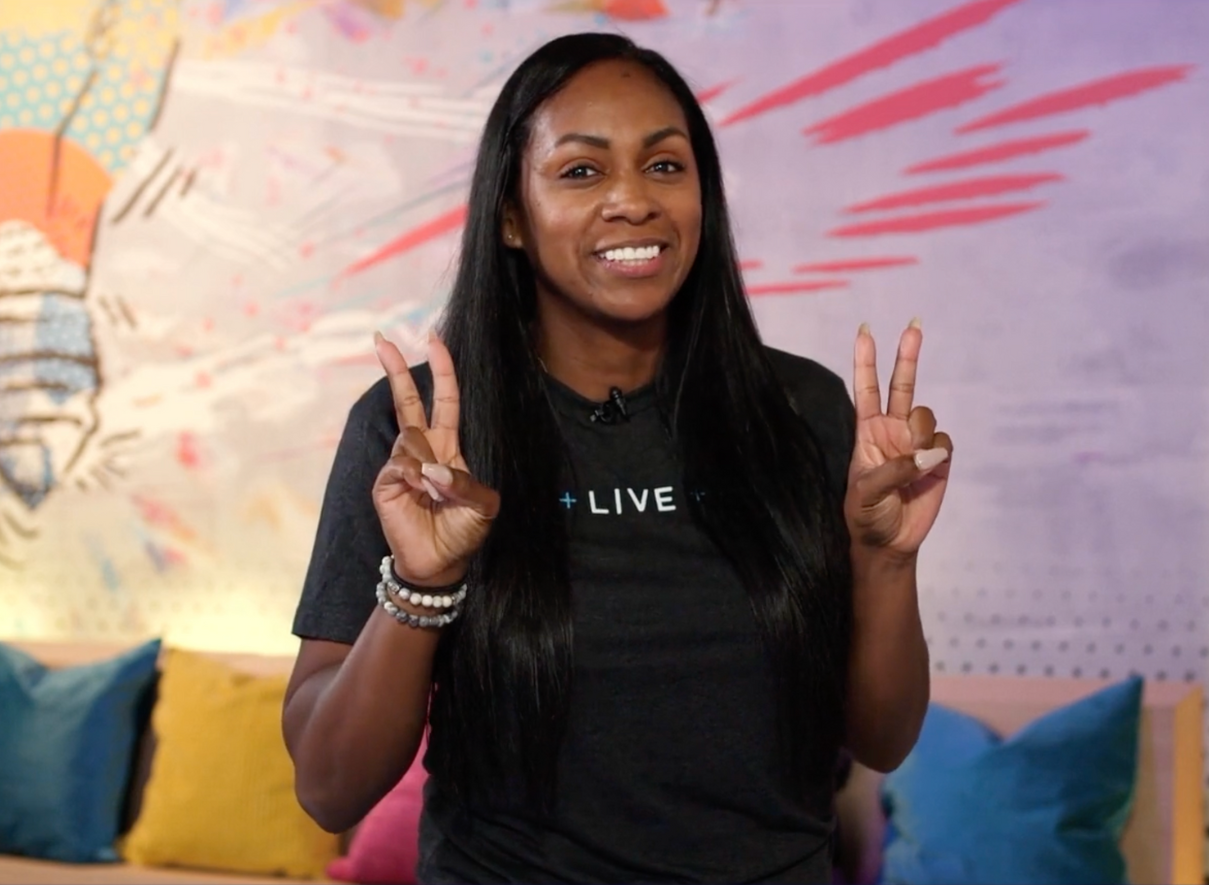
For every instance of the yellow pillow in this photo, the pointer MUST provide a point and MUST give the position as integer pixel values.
(221, 791)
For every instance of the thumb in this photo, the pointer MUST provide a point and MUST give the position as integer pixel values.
(900, 472)
(459, 487)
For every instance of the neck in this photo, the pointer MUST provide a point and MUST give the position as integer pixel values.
(592, 357)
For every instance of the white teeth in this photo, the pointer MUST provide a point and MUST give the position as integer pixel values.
(629, 253)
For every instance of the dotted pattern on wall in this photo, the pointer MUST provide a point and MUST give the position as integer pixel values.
(1009, 628)
(109, 87)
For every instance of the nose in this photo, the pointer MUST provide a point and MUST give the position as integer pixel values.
(630, 199)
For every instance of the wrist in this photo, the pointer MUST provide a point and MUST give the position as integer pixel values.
(449, 579)
(882, 563)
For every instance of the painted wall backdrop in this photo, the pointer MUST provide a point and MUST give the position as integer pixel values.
(206, 208)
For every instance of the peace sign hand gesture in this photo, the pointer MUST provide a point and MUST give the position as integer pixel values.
(434, 514)
(900, 464)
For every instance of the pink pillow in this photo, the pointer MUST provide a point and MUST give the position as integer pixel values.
(385, 846)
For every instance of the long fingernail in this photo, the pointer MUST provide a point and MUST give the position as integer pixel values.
(916, 323)
(438, 473)
(927, 459)
(432, 490)
(379, 338)
(864, 329)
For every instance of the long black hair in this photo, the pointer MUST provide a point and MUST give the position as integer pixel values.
(503, 672)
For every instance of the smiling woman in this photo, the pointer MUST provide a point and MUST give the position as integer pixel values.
(638, 644)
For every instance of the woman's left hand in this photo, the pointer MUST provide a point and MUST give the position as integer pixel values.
(900, 464)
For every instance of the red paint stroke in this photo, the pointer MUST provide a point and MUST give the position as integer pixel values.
(751, 264)
(855, 264)
(988, 186)
(409, 240)
(635, 10)
(921, 37)
(932, 220)
(162, 558)
(705, 96)
(795, 287)
(915, 101)
(159, 514)
(1100, 91)
(1004, 150)
(186, 450)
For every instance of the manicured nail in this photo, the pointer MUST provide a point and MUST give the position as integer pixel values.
(438, 473)
(916, 323)
(432, 490)
(864, 329)
(379, 338)
(927, 459)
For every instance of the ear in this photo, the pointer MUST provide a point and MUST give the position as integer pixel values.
(510, 229)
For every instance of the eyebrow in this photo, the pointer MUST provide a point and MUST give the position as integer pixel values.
(597, 141)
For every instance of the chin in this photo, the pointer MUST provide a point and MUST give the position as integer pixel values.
(632, 304)
(633, 313)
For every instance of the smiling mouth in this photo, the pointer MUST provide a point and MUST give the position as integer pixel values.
(632, 255)
(634, 262)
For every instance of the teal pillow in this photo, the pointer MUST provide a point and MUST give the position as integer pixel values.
(67, 739)
(1047, 805)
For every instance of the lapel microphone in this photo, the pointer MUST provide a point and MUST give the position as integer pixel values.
(611, 410)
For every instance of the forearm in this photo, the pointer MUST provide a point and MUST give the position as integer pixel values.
(353, 729)
(888, 681)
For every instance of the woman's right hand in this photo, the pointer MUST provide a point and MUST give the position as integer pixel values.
(434, 514)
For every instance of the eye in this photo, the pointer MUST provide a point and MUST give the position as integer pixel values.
(579, 172)
(666, 167)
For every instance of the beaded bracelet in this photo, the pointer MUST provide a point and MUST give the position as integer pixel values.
(411, 620)
(426, 597)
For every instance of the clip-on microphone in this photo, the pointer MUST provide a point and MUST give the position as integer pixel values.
(611, 409)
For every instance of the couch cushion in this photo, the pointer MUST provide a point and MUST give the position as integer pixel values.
(66, 743)
(1047, 805)
(220, 795)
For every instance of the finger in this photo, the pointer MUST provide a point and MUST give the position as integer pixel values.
(902, 380)
(445, 399)
(432, 490)
(409, 408)
(413, 443)
(865, 390)
(922, 424)
(943, 441)
(459, 487)
(900, 472)
(402, 472)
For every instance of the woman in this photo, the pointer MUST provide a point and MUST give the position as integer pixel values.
(682, 568)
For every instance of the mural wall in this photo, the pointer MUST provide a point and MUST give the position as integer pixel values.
(207, 208)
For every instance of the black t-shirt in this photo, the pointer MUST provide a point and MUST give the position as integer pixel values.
(668, 770)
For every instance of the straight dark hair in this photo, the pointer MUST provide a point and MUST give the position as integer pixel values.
(503, 672)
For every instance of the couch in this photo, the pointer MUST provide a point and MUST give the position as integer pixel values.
(1163, 841)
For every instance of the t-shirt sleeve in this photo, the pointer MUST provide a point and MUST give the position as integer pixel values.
(338, 594)
(836, 430)
(820, 396)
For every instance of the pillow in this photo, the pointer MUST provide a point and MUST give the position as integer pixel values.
(385, 845)
(220, 795)
(67, 740)
(1047, 805)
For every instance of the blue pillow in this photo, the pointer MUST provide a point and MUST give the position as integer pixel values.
(67, 739)
(1047, 805)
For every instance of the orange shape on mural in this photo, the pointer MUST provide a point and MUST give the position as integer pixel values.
(54, 185)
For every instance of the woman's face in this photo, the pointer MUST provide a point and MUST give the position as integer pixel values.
(610, 204)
